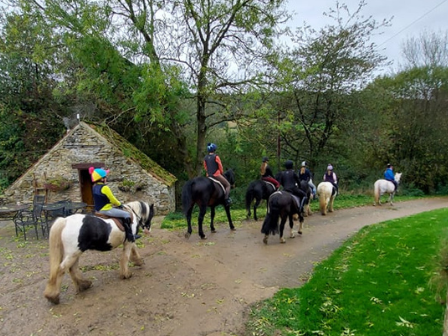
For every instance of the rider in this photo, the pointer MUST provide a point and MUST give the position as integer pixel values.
(290, 181)
(266, 173)
(330, 176)
(390, 176)
(305, 175)
(213, 167)
(104, 200)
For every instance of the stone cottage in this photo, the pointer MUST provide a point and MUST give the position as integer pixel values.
(62, 173)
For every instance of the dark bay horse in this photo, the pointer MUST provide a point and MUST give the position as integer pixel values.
(257, 190)
(281, 205)
(205, 192)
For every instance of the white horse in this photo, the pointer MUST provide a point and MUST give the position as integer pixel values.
(382, 187)
(327, 193)
(71, 236)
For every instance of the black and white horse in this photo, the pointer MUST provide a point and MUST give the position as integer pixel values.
(73, 235)
(281, 206)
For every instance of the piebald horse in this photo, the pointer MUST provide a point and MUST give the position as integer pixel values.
(71, 236)
(282, 206)
(382, 187)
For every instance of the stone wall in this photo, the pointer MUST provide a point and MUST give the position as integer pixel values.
(127, 179)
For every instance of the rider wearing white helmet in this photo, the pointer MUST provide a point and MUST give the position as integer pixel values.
(330, 176)
(306, 175)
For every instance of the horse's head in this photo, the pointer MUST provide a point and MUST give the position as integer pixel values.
(230, 176)
(397, 177)
(143, 213)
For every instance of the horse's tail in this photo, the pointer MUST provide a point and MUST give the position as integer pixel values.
(376, 193)
(323, 198)
(56, 254)
(270, 223)
(187, 196)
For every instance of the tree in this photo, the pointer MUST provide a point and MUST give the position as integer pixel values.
(214, 47)
(327, 67)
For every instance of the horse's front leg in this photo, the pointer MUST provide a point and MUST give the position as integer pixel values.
(229, 218)
(125, 273)
(212, 219)
(189, 230)
(202, 211)
(391, 199)
(330, 205)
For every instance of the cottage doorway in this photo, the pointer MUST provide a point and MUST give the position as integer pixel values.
(85, 182)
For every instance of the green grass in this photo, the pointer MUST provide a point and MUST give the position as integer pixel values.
(377, 283)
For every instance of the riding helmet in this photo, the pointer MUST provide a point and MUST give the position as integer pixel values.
(289, 164)
(98, 173)
(304, 164)
(211, 147)
(265, 159)
(389, 165)
(330, 167)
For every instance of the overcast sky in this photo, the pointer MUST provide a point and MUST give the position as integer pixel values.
(410, 18)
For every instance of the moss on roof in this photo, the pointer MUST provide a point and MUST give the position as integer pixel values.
(132, 152)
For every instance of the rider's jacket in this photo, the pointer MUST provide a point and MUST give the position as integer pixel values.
(213, 165)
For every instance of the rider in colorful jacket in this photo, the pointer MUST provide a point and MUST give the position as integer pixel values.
(106, 203)
(390, 176)
(330, 176)
(213, 167)
(266, 173)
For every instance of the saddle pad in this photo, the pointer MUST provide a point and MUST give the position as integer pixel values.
(118, 221)
(219, 183)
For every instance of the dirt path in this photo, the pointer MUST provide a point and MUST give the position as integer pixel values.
(187, 287)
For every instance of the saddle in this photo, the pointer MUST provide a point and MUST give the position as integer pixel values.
(117, 220)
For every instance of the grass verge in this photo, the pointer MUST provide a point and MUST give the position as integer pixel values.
(377, 283)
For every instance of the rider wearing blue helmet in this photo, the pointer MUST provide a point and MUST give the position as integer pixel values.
(213, 167)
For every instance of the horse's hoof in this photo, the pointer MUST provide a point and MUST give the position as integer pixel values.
(139, 262)
(84, 284)
(292, 235)
(126, 276)
(213, 231)
(299, 232)
(265, 240)
(233, 229)
(282, 240)
(204, 238)
(187, 235)
(53, 300)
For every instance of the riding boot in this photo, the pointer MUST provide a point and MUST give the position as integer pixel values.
(128, 230)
